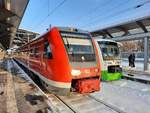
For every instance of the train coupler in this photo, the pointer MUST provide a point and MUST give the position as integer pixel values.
(88, 85)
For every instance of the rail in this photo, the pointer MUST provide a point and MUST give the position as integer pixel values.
(78, 103)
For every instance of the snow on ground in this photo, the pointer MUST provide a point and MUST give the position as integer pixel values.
(129, 96)
(132, 84)
(138, 65)
(12, 66)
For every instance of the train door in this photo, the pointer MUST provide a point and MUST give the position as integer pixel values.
(30, 57)
(40, 56)
(47, 56)
(37, 58)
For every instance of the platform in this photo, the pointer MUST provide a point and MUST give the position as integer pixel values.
(129, 96)
(136, 75)
(19, 95)
(136, 71)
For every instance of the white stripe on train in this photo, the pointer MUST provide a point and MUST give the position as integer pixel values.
(48, 81)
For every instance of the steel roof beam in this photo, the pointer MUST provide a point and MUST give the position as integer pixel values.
(4, 24)
(126, 32)
(132, 37)
(141, 25)
(4, 13)
(107, 32)
(102, 34)
(3, 34)
(96, 33)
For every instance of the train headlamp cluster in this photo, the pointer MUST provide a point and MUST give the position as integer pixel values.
(75, 72)
(96, 70)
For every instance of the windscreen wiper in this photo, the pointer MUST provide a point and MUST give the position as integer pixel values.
(68, 46)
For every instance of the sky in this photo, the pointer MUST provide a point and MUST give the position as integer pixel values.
(84, 14)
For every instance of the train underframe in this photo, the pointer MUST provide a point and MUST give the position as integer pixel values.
(81, 85)
(86, 85)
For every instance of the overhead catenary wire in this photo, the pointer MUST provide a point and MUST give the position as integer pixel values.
(93, 10)
(107, 14)
(37, 9)
(50, 13)
(48, 7)
(115, 14)
(100, 7)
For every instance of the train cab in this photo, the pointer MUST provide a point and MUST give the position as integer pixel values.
(65, 59)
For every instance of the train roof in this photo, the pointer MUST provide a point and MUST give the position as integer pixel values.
(63, 29)
(71, 29)
(108, 40)
(137, 15)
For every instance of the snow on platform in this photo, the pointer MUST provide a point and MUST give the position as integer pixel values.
(129, 96)
(137, 71)
(141, 77)
(19, 95)
(138, 65)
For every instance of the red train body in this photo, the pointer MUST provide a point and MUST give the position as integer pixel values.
(65, 59)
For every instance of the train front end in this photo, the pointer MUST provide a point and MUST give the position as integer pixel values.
(83, 59)
(110, 59)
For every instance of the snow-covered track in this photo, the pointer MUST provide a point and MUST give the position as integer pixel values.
(108, 105)
(80, 103)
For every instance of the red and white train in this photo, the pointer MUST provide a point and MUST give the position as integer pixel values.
(65, 60)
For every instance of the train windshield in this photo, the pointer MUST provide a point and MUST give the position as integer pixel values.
(79, 47)
(110, 50)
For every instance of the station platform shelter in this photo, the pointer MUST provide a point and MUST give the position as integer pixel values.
(129, 30)
(11, 13)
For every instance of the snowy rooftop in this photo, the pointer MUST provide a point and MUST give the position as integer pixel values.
(138, 20)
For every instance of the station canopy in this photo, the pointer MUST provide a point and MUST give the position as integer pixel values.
(136, 28)
(133, 29)
(11, 13)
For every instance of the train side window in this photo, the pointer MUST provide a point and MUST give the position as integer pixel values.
(47, 50)
(36, 52)
(31, 52)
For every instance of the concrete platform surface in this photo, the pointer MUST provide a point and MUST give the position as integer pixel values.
(18, 95)
(129, 96)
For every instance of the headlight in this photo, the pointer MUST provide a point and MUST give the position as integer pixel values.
(96, 70)
(75, 72)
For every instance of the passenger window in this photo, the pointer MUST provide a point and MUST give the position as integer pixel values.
(36, 52)
(47, 50)
(31, 52)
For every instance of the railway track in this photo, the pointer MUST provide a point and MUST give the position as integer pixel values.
(79, 103)
(108, 105)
